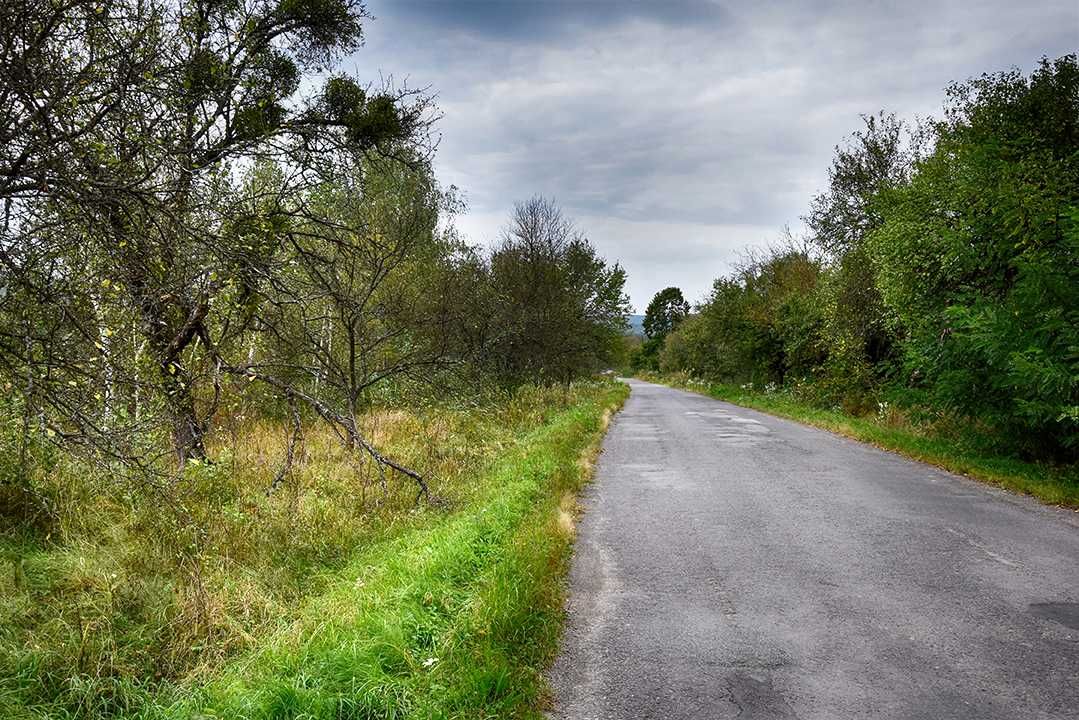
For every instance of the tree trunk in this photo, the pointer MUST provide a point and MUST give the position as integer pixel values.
(188, 433)
(167, 343)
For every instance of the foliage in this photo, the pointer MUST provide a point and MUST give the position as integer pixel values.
(941, 268)
(761, 324)
(855, 327)
(156, 203)
(979, 258)
(365, 300)
(873, 159)
(554, 309)
(666, 310)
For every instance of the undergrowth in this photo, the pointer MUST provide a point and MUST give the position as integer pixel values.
(334, 596)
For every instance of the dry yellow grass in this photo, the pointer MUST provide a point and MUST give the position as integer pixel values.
(568, 509)
(159, 585)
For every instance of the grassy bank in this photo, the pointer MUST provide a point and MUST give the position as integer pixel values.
(366, 608)
(946, 445)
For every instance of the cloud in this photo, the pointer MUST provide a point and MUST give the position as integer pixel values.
(532, 20)
(676, 131)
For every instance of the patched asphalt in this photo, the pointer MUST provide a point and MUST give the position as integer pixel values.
(730, 564)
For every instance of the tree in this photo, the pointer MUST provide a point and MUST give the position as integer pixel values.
(558, 309)
(880, 156)
(665, 311)
(127, 127)
(874, 159)
(366, 300)
(760, 323)
(978, 257)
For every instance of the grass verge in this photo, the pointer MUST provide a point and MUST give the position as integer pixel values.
(436, 615)
(1055, 485)
(451, 621)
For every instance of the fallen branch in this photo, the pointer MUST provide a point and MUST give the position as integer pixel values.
(340, 423)
(290, 451)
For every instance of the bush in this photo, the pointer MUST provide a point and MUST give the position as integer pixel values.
(978, 259)
(949, 273)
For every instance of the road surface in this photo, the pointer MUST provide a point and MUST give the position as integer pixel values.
(730, 564)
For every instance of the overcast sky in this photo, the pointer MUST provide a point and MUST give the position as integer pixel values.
(676, 133)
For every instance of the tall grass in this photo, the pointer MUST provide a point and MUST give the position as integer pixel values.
(335, 596)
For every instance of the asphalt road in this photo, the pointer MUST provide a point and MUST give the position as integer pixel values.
(730, 564)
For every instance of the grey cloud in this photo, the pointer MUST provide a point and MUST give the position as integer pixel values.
(658, 117)
(536, 20)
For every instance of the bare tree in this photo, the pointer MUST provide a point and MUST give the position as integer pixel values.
(366, 297)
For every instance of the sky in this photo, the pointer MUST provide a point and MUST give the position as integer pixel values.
(677, 133)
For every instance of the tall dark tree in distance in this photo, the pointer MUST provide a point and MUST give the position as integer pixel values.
(667, 309)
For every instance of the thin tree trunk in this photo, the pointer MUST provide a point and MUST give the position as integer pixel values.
(188, 433)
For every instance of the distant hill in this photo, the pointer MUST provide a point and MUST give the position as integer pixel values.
(636, 325)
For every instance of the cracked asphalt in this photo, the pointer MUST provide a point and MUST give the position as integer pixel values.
(730, 564)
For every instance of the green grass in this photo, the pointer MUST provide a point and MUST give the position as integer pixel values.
(437, 615)
(1055, 485)
(455, 620)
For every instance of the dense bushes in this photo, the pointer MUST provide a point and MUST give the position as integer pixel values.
(545, 307)
(942, 267)
(760, 325)
(979, 262)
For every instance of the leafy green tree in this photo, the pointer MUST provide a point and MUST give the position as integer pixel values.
(557, 310)
(874, 159)
(688, 348)
(666, 310)
(977, 257)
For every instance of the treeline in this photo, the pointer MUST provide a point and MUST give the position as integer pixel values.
(940, 271)
(201, 215)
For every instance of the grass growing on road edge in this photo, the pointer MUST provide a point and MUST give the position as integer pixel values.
(1056, 485)
(457, 619)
